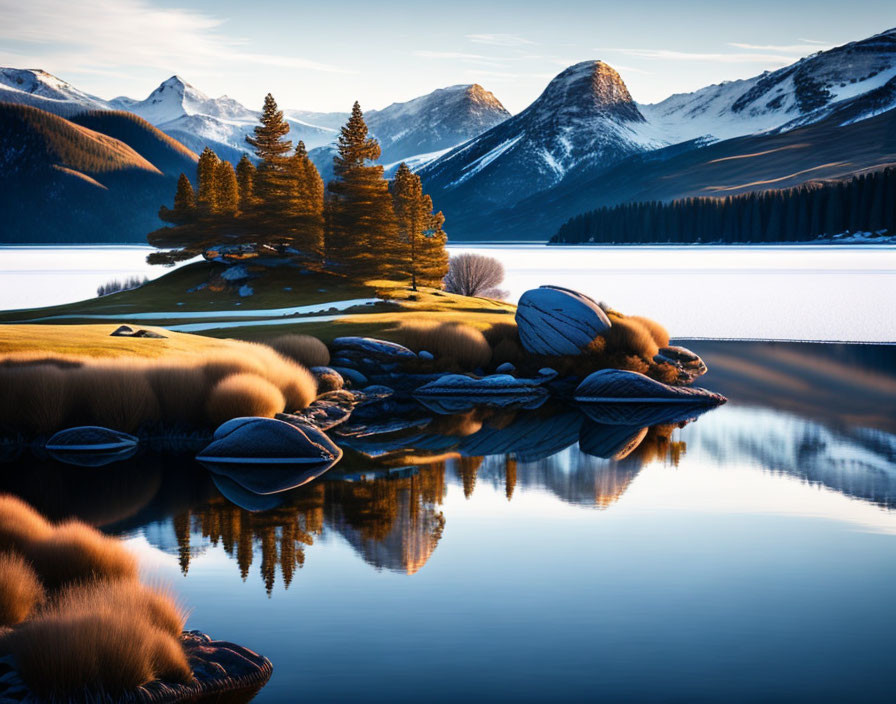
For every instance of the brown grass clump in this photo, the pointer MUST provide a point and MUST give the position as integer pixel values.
(158, 607)
(20, 525)
(20, 589)
(75, 552)
(298, 385)
(181, 392)
(659, 334)
(244, 395)
(115, 395)
(630, 336)
(63, 654)
(36, 394)
(452, 341)
(303, 349)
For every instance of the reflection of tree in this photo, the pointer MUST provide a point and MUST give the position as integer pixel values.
(509, 476)
(390, 521)
(281, 534)
(468, 467)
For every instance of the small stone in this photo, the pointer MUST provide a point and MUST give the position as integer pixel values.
(505, 368)
(423, 354)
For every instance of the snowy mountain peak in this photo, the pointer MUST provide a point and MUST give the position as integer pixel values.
(590, 88)
(18, 84)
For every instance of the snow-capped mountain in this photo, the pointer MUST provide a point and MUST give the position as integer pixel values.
(584, 116)
(803, 93)
(434, 122)
(39, 89)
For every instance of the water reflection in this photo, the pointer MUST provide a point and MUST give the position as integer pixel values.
(386, 498)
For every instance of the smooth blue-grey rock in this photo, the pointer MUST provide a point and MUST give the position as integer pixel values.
(556, 321)
(90, 438)
(371, 347)
(269, 441)
(688, 364)
(423, 354)
(353, 376)
(619, 386)
(505, 368)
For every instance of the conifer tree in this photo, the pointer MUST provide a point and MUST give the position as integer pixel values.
(228, 191)
(245, 179)
(422, 256)
(272, 148)
(184, 209)
(207, 200)
(304, 202)
(363, 236)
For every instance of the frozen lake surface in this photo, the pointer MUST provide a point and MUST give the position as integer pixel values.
(797, 293)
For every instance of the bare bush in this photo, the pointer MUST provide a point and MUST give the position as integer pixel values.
(116, 285)
(474, 275)
(20, 524)
(303, 349)
(244, 395)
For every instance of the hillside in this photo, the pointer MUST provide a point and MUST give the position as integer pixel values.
(64, 181)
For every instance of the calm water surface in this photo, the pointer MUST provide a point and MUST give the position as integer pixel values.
(749, 555)
(805, 293)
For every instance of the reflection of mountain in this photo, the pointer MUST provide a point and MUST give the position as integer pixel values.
(857, 462)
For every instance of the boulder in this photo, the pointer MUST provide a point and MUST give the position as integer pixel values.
(557, 321)
(688, 364)
(352, 376)
(619, 386)
(370, 347)
(269, 441)
(505, 368)
(128, 331)
(423, 354)
(90, 438)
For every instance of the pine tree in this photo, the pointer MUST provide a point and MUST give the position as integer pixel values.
(228, 191)
(304, 202)
(422, 254)
(363, 236)
(271, 147)
(184, 209)
(207, 200)
(245, 179)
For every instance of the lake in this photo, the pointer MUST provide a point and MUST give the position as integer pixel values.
(548, 554)
(796, 293)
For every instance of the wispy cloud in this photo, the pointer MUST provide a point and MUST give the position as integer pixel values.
(95, 36)
(450, 55)
(670, 55)
(804, 48)
(499, 39)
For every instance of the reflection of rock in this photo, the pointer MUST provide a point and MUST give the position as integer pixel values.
(91, 446)
(454, 392)
(610, 441)
(529, 436)
(236, 494)
(556, 321)
(617, 385)
(641, 415)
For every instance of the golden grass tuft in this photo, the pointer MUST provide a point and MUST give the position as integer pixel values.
(303, 349)
(115, 395)
(181, 392)
(157, 606)
(66, 654)
(20, 525)
(452, 341)
(630, 336)
(658, 332)
(75, 552)
(20, 589)
(298, 385)
(244, 395)
(36, 394)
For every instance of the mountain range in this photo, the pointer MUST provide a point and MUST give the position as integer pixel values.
(583, 143)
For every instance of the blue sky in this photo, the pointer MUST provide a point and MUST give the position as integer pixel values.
(323, 56)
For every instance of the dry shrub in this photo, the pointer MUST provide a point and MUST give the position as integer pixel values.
(499, 332)
(75, 552)
(115, 395)
(298, 385)
(659, 334)
(303, 349)
(20, 525)
(63, 655)
(181, 391)
(157, 606)
(461, 343)
(630, 336)
(35, 395)
(221, 364)
(244, 395)
(20, 589)
(507, 351)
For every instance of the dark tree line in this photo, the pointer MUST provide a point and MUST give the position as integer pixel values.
(361, 224)
(865, 203)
